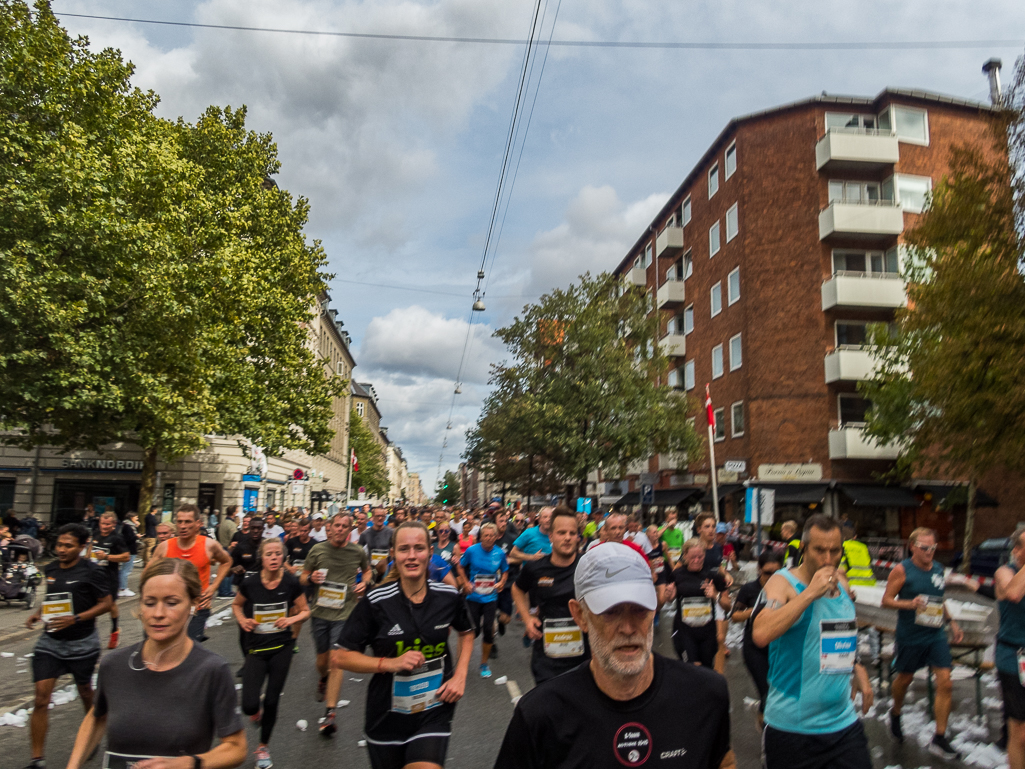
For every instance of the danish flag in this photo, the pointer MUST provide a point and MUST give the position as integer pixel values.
(355, 464)
(708, 407)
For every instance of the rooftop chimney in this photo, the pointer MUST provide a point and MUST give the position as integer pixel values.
(992, 70)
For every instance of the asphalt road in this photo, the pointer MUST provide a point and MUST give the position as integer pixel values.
(481, 716)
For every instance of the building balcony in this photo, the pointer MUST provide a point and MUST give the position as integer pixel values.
(883, 290)
(845, 149)
(861, 220)
(671, 295)
(850, 363)
(851, 442)
(637, 276)
(669, 242)
(674, 345)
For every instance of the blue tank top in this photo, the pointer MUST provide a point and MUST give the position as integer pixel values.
(810, 665)
(1011, 635)
(918, 582)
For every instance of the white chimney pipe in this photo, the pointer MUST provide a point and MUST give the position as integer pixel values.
(992, 70)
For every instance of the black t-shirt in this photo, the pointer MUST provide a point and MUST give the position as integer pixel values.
(659, 565)
(112, 544)
(713, 556)
(550, 587)
(505, 542)
(297, 550)
(246, 555)
(688, 586)
(391, 625)
(569, 723)
(258, 594)
(87, 584)
(749, 597)
(151, 525)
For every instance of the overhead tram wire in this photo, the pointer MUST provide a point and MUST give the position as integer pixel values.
(858, 45)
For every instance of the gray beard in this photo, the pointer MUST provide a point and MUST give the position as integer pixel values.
(602, 652)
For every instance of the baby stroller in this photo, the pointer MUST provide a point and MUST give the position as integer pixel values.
(19, 577)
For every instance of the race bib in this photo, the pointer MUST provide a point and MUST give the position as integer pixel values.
(95, 553)
(838, 646)
(931, 615)
(562, 638)
(121, 760)
(378, 557)
(417, 691)
(56, 605)
(331, 595)
(298, 564)
(484, 584)
(266, 614)
(675, 553)
(695, 612)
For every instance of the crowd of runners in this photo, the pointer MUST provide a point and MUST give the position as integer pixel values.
(403, 595)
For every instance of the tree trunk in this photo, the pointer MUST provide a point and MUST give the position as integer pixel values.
(149, 479)
(969, 528)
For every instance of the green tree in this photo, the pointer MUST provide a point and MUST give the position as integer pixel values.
(585, 388)
(448, 492)
(950, 387)
(372, 475)
(156, 286)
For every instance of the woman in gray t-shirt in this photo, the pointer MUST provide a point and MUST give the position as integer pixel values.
(184, 693)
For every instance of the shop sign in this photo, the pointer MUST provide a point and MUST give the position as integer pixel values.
(735, 466)
(811, 471)
(124, 465)
(727, 476)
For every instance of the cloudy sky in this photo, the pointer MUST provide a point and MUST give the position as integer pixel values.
(398, 144)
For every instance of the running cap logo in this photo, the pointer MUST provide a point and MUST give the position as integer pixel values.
(397, 630)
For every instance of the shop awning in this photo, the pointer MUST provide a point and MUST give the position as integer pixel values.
(878, 496)
(663, 497)
(940, 492)
(797, 493)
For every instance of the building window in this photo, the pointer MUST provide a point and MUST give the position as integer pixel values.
(720, 424)
(713, 240)
(851, 333)
(732, 222)
(736, 357)
(847, 122)
(673, 379)
(685, 217)
(911, 125)
(717, 369)
(733, 286)
(856, 192)
(688, 265)
(646, 258)
(688, 319)
(716, 299)
(737, 419)
(866, 262)
(713, 180)
(359, 409)
(688, 375)
(912, 192)
(853, 409)
(731, 160)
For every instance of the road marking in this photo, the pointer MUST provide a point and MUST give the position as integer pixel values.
(514, 691)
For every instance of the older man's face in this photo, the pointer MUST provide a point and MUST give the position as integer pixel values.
(621, 638)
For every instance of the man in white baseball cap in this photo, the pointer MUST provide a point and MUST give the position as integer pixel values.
(627, 706)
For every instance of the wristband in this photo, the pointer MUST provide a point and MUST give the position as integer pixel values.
(197, 762)
(75, 619)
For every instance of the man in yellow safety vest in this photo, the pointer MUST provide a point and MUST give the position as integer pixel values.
(856, 561)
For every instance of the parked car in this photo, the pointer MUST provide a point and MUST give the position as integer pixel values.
(986, 557)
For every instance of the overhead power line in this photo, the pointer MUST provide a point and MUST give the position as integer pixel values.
(461, 295)
(836, 45)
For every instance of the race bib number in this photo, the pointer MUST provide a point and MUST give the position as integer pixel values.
(266, 614)
(562, 638)
(838, 646)
(695, 612)
(484, 584)
(121, 760)
(930, 615)
(417, 691)
(56, 605)
(331, 595)
(378, 557)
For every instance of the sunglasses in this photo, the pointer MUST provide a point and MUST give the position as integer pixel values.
(926, 548)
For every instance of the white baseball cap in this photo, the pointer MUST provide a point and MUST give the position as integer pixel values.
(611, 574)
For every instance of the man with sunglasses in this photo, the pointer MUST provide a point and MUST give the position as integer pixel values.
(915, 590)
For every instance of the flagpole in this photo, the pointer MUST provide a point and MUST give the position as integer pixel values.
(348, 481)
(710, 413)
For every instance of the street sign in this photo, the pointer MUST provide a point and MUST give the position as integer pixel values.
(584, 505)
(298, 474)
(735, 466)
(647, 494)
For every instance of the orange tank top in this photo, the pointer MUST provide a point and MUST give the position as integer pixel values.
(196, 554)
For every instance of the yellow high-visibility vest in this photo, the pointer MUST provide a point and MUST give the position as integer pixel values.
(858, 563)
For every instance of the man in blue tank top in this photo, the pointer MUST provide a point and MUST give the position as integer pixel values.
(1010, 651)
(810, 627)
(915, 589)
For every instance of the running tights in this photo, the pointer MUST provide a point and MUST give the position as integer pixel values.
(272, 665)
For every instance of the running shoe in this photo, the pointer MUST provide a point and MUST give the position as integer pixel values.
(262, 756)
(126, 593)
(895, 731)
(327, 724)
(941, 747)
(255, 718)
(527, 642)
(501, 628)
(114, 638)
(36, 763)
(485, 671)
(321, 689)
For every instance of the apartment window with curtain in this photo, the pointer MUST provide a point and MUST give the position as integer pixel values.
(720, 424)
(717, 363)
(713, 240)
(733, 286)
(688, 375)
(713, 180)
(686, 210)
(737, 419)
(688, 319)
(736, 355)
(732, 222)
(715, 295)
(731, 160)
(688, 265)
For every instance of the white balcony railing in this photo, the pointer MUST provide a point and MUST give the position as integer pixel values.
(671, 294)
(851, 363)
(851, 442)
(856, 148)
(674, 345)
(669, 242)
(862, 289)
(861, 219)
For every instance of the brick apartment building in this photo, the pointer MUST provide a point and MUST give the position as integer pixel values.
(767, 263)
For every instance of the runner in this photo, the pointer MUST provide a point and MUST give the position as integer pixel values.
(628, 706)
(745, 608)
(661, 570)
(809, 624)
(77, 592)
(319, 530)
(149, 538)
(483, 574)
(299, 546)
(406, 622)
(444, 547)
(268, 604)
(270, 526)
(201, 551)
(359, 526)
(559, 644)
(167, 696)
(696, 590)
(672, 538)
(377, 541)
(533, 543)
(165, 531)
(915, 589)
(1010, 590)
(108, 550)
(506, 539)
(341, 572)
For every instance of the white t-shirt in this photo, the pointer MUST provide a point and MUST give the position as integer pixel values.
(456, 527)
(641, 540)
(273, 531)
(320, 536)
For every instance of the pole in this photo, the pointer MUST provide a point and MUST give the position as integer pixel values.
(757, 500)
(715, 484)
(348, 481)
